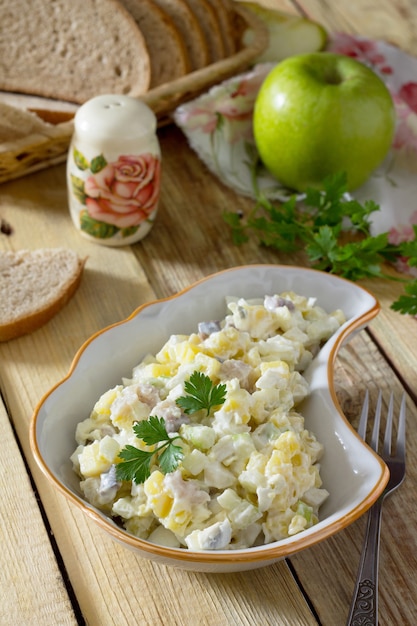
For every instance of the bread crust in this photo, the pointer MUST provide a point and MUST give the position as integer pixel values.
(190, 29)
(210, 25)
(32, 317)
(168, 54)
(224, 12)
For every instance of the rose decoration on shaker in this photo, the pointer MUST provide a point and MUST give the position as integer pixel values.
(118, 196)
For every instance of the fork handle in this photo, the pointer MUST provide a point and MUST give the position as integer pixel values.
(364, 607)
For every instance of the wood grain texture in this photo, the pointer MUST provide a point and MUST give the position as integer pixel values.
(395, 334)
(30, 580)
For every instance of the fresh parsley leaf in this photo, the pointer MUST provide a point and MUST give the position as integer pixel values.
(135, 464)
(355, 260)
(323, 247)
(359, 213)
(327, 202)
(151, 431)
(202, 394)
(169, 458)
(407, 303)
(239, 235)
(408, 249)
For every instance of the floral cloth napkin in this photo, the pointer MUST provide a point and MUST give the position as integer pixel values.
(218, 126)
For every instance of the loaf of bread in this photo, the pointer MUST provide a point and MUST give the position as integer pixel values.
(34, 286)
(73, 51)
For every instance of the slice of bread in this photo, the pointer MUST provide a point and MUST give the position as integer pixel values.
(224, 12)
(210, 25)
(34, 286)
(190, 30)
(71, 50)
(16, 123)
(168, 55)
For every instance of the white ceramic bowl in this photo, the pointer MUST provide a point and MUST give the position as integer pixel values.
(351, 472)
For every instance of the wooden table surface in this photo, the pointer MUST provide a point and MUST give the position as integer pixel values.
(55, 566)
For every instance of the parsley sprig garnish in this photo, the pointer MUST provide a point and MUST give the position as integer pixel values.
(202, 394)
(135, 464)
(318, 224)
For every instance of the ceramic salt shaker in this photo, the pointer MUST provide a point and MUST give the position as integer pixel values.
(114, 170)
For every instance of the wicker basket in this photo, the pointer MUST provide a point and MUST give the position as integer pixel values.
(36, 152)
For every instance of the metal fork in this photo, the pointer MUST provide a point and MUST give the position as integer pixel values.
(364, 607)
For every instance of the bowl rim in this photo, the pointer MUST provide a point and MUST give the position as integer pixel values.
(266, 552)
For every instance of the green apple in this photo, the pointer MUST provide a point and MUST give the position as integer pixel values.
(319, 114)
(288, 34)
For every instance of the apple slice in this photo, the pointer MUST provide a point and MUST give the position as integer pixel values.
(288, 34)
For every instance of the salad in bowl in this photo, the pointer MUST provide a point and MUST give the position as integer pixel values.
(204, 431)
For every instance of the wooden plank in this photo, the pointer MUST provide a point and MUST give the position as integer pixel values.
(31, 583)
(395, 333)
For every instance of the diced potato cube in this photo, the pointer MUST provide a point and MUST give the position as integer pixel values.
(207, 364)
(101, 410)
(159, 500)
(244, 514)
(98, 456)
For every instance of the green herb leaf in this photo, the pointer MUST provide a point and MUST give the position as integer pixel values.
(408, 249)
(407, 303)
(135, 464)
(356, 260)
(152, 431)
(169, 458)
(202, 394)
